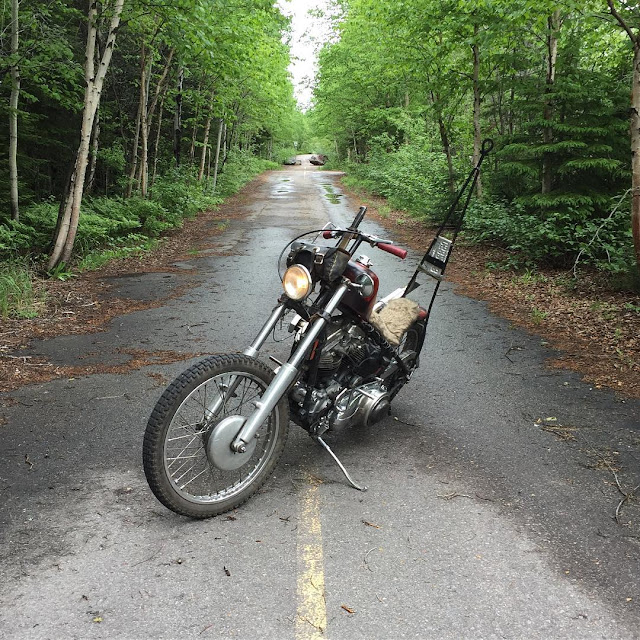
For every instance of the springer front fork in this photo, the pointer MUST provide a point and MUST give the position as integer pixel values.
(287, 373)
(284, 378)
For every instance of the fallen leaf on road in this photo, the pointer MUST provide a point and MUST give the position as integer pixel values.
(347, 609)
(370, 524)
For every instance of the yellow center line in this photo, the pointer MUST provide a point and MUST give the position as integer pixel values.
(311, 618)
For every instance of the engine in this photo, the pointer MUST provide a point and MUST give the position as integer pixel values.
(344, 392)
(348, 345)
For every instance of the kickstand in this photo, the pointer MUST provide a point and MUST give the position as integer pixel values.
(320, 441)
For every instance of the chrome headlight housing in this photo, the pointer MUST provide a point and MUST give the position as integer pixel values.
(297, 282)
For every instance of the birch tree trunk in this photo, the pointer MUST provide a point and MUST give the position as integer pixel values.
(144, 132)
(477, 133)
(156, 144)
(177, 118)
(13, 114)
(217, 159)
(553, 25)
(634, 126)
(136, 136)
(66, 233)
(635, 150)
(95, 145)
(205, 141)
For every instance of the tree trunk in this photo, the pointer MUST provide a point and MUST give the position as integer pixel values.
(635, 150)
(161, 87)
(13, 114)
(95, 141)
(217, 159)
(136, 136)
(444, 139)
(144, 133)
(66, 233)
(634, 130)
(205, 141)
(156, 143)
(553, 25)
(177, 118)
(477, 133)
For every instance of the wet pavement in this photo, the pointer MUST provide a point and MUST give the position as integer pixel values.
(477, 522)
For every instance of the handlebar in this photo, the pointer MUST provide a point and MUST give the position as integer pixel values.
(328, 234)
(358, 219)
(390, 248)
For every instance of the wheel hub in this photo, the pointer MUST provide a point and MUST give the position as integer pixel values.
(218, 447)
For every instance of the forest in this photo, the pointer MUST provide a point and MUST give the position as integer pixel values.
(406, 92)
(123, 117)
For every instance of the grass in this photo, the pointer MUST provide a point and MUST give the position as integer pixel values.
(19, 298)
(538, 316)
(529, 277)
(96, 259)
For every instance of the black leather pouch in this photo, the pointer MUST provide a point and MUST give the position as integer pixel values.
(324, 263)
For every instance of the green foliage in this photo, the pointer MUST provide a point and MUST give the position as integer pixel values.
(117, 227)
(395, 93)
(411, 177)
(134, 244)
(241, 167)
(19, 296)
(557, 238)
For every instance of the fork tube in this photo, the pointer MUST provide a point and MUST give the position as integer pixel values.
(285, 376)
(253, 349)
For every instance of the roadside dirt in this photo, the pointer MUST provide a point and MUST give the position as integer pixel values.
(596, 331)
(86, 304)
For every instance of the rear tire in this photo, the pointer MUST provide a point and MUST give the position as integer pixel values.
(176, 463)
(412, 340)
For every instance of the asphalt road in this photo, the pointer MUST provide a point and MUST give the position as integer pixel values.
(479, 522)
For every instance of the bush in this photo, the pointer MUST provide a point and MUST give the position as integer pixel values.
(411, 177)
(240, 168)
(556, 236)
(106, 223)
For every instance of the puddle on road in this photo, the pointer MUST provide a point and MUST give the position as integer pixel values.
(331, 195)
(281, 190)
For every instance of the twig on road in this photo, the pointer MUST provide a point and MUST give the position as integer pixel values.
(626, 495)
(451, 496)
(151, 557)
(366, 562)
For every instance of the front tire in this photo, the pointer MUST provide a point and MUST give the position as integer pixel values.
(176, 453)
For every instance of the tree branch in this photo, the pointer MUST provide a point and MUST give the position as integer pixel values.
(622, 23)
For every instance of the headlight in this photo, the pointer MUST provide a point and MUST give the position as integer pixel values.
(297, 282)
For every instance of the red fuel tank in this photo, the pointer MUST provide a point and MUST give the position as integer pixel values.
(361, 301)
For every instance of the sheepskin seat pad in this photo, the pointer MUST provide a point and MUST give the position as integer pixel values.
(395, 319)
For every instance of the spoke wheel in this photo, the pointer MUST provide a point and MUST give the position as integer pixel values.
(185, 456)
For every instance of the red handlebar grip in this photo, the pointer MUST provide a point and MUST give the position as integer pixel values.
(328, 234)
(391, 248)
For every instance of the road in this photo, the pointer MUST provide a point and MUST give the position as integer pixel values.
(479, 521)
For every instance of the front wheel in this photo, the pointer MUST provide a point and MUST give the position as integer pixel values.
(187, 458)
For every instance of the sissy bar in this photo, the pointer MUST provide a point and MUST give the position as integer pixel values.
(435, 260)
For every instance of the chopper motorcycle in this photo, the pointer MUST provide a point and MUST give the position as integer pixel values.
(217, 432)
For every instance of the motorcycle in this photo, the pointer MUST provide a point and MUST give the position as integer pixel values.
(217, 432)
